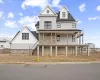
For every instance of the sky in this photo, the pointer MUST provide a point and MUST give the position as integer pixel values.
(14, 14)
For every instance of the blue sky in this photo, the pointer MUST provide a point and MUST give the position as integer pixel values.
(14, 14)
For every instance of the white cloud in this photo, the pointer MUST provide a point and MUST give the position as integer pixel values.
(1, 1)
(98, 8)
(29, 21)
(6, 36)
(40, 3)
(10, 15)
(1, 14)
(11, 24)
(20, 14)
(82, 7)
(94, 18)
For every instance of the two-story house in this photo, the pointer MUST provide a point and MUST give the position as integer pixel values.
(58, 33)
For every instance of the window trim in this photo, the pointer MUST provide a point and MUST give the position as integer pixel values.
(73, 25)
(25, 36)
(58, 38)
(59, 26)
(73, 38)
(47, 25)
(63, 14)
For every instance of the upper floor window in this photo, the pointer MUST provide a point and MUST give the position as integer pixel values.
(73, 25)
(25, 36)
(47, 11)
(47, 24)
(58, 38)
(58, 25)
(73, 38)
(63, 14)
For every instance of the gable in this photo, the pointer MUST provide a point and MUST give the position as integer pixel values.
(18, 37)
(47, 11)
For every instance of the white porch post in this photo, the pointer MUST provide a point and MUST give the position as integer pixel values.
(43, 37)
(76, 50)
(55, 38)
(42, 50)
(82, 39)
(88, 51)
(38, 51)
(79, 38)
(67, 37)
(50, 50)
(66, 51)
(51, 38)
(39, 39)
(56, 50)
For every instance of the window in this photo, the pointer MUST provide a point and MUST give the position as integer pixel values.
(25, 36)
(1, 45)
(63, 14)
(73, 25)
(73, 38)
(58, 38)
(47, 24)
(58, 25)
(47, 11)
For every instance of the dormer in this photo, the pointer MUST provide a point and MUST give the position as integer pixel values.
(48, 12)
(64, 13)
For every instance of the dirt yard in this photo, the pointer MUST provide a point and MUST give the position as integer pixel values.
(22, 58)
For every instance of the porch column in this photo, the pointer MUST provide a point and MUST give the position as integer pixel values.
(39, 39)
(55, 38)
(50, 50)
(66, 51)
(67, 37)
(79, 38)
(43, 37)
(82, 39)
(76, 50)
(88, 51)
(51, 38)
(38, 51)
(56, 50)
(42, 50)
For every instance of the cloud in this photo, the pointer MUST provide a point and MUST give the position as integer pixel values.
(1, 15)
(40, 3)
(10, 15)
(98, 8)
(6, 36)
(94, 18)
(82, 7)
(1, 1)
(20, 14)
(11, 24)
(28, 21)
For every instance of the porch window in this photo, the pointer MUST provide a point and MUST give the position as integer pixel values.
(58, 38)
(73, 25)
(47, 24)
(63, 14)
(73, 38)
(58, 25)
(25, 36)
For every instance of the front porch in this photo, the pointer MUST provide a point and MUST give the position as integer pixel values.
(55, 50)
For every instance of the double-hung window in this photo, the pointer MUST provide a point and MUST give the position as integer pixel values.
(63, 14)
(47, 24)
(73, 38)
(25, 36)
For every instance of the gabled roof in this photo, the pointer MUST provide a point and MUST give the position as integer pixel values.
(37, 24)
(70, 17)
(49, 8)
(35, 34)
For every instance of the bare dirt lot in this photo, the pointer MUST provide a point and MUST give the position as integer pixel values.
(17, 58)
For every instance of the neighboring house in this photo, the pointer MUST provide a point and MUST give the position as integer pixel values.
(23, 41)
(4, 43)
(91, 45)
(58, 33)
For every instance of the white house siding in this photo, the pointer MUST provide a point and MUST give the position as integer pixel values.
(42, 19)
(66, 25)
(18, 43)
(63, 39)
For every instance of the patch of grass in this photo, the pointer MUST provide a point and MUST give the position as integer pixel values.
(17, 58)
